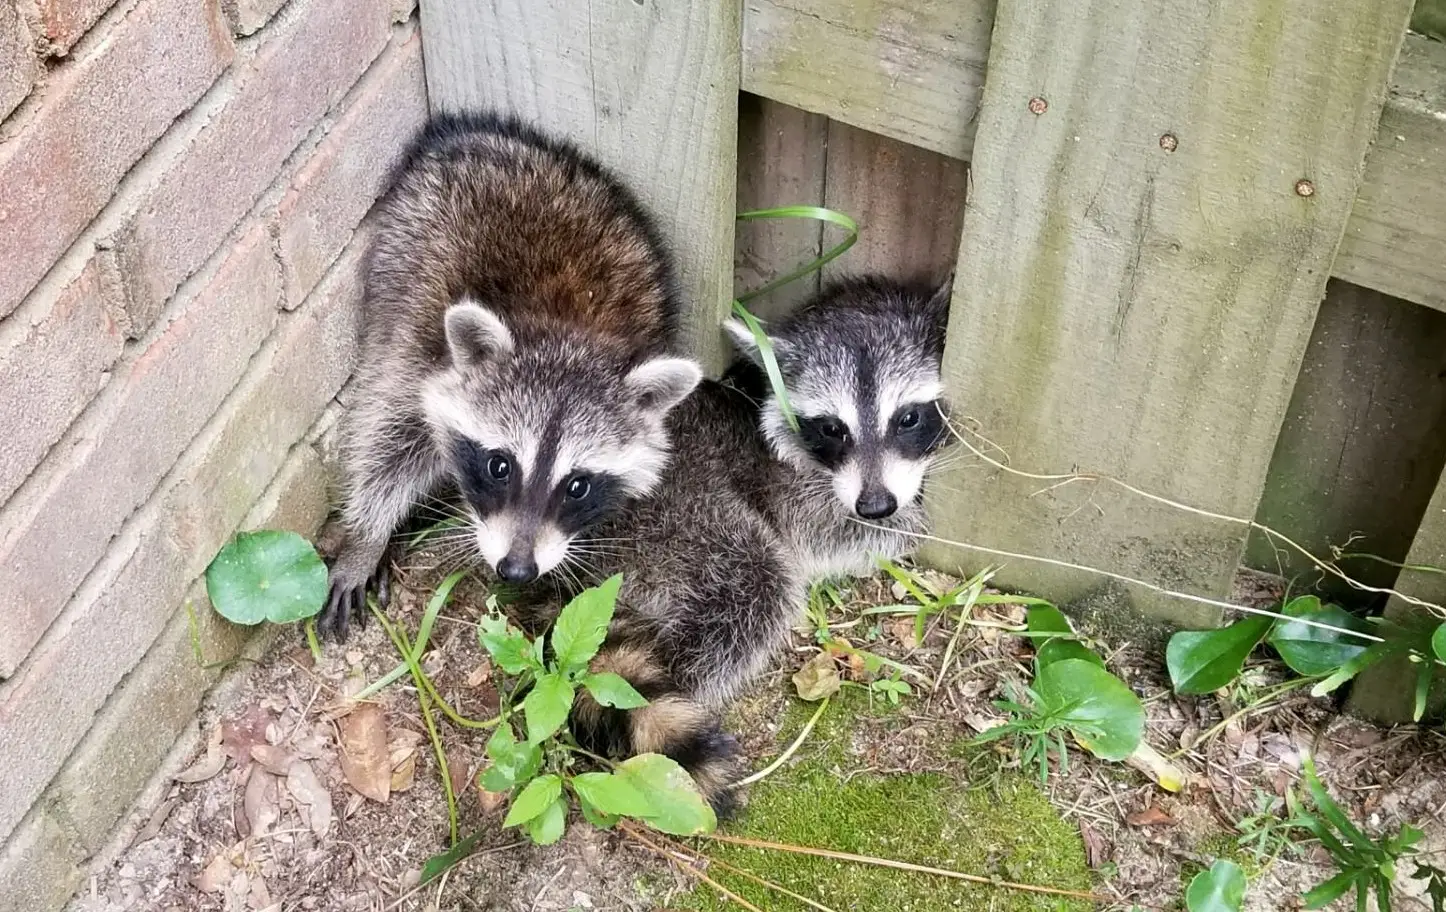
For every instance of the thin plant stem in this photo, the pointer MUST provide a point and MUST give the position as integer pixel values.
(693, 869)
(903, 866)
(681, 849)
(792, 749)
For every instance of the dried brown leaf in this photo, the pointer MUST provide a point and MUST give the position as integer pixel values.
(240, 734)
(490, 802)
(275, 760)
(312, 795)
(404, 774)
(1096, 851)
(1150, 816)
(216, 875)
(480, 675)
(152, 829)
(818, 678)
(209, 764)
(902, 629)
(262, 802)
(364, 754)
(459, 768)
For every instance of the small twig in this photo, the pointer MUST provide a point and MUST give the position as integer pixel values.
(687, 866)
(903, 866)
(679, 848)
(400, 900)
(789, 752)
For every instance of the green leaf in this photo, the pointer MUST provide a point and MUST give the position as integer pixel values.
(1105, 715)
(1059, 649)
(437, 865)
(596, 817)
(506, 644)
(547, 706)
(613, 690)
(1201, 661)
(1357, 664)
(614, 794)
(512, 763)
(547, 827)
(1330, 891)
(269, 575)
(539, 794)
(434, 607)
(1220, 889)
(1047, 619)
(583, 624)
(1425, 673)
(1332, 812)
(1311, 650)
(677, 806)
(1438, 642)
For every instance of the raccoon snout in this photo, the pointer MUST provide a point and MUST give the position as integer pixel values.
(878, 504)
(516, 568)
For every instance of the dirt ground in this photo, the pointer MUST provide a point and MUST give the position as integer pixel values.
(267, 819)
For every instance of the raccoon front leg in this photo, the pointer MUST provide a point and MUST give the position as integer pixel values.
(387, 469)
(672, 724)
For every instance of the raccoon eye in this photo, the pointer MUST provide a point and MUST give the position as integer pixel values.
(834, 428)
(909, 419)
(579, 487)
(499, 468)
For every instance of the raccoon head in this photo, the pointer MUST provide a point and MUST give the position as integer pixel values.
(549, 434)
(861, 364)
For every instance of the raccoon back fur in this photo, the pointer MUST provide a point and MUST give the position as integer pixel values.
(518, 334)
(717, 563)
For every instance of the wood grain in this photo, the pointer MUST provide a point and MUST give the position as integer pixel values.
(1139, 306)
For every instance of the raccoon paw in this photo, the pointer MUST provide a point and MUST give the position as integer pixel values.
(347, 596)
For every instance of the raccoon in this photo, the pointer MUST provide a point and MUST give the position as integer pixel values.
(717, 563)
(518, 349)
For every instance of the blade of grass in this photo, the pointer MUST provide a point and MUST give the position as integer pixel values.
(770, 364)
(789, 751)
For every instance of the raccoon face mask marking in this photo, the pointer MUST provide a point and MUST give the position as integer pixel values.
(865, 385)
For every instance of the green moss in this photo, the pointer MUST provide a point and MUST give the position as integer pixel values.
(1009, 831)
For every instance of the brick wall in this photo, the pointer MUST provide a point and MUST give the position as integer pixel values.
(181, 188)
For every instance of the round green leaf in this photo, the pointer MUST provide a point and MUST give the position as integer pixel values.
(677, 806)
(534, 799)
(1047, 619)
(1311, 650)
(1057, 650)
(546, 828)
(1201, 661)
(1220, 889)
(269, 575)
(1105, 715)
(1438, 642)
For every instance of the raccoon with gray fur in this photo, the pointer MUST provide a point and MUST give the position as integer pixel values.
(717, 563)
(518, 334)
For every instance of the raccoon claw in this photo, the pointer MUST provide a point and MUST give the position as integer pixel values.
(335, 620)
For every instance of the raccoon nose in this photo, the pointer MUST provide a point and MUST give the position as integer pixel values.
(875, 505)
(516, 569)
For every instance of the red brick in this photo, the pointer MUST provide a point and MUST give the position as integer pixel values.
(101, 112)
(64, 21)
(51, 368)
(103, 472)
(17, 60)
(248, 16)
(47, 708)
(339, 182)
(307, 62)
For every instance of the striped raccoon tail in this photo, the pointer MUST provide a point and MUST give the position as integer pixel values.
(671, 724)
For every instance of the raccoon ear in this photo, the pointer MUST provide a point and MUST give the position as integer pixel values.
(939, 301)
(476, 334)
(662, 383)
(747, 343)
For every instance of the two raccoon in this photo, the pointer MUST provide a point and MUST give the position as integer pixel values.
(520, 348)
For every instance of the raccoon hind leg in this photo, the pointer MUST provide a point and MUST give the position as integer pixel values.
(672, 724)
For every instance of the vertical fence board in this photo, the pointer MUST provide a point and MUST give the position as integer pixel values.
(782, 153)
(908, 201)
(651, 87)
(1363, 442)
(1138, 305)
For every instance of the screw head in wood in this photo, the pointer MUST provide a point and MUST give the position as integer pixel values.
(1038, 105)
(1169, 143)
(1304, 187)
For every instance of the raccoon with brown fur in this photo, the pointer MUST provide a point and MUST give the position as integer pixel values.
(518, 347)
(717, 562)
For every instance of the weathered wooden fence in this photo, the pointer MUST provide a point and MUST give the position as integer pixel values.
(1160, 195)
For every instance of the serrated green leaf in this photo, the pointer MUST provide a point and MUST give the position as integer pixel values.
(1330, 891)
(1104, 715)
(533, 799)
(506, 644)
(268, 575)
(583, 624)
(678, 807)
(495, 779)
(611, 793)
(1202, 661)
(613, 690)
(1311, 650)
(547, 706)
(547, 827)
(512, 763)
(437, 865)
(1220, 889)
